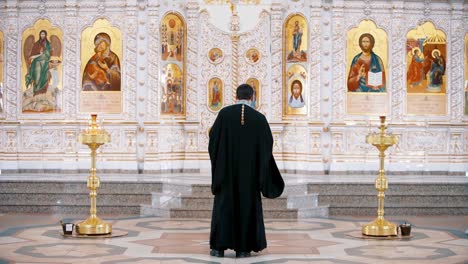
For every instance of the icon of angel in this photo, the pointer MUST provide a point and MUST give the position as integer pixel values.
(42, 58)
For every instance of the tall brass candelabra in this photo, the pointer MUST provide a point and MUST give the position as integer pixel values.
(380, 226)
(94, 137)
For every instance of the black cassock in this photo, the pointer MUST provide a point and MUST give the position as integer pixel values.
(242, 167)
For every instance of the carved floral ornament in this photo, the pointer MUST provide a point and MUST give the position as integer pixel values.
(256, 2)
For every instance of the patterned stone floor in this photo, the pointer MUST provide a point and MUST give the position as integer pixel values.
(36, 239)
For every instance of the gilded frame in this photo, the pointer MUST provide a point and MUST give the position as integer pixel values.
(169, 21)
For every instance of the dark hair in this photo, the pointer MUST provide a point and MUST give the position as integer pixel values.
(45, 32)
(45, 38)
(244, 92)
(370, 37)
(294, 82)
(292, 94)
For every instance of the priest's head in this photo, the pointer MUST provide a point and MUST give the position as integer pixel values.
(244, 92)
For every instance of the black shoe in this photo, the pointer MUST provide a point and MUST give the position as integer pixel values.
(241, 254)
(217, 253)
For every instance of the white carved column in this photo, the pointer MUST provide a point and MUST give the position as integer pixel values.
(192, 66)
(142, 77)
(235, 26)
(315, 57)
(13, 41)
(192, 63)
(130, 58)
(456, 43)
(276, 61)
(71, 43)
(152, 83)
(339, 55)
(322, 28)
(398, 40)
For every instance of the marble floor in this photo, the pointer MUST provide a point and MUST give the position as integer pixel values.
(33, 238)
(37, 239)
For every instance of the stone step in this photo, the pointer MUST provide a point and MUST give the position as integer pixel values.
(71, 199)
(298, 201)
(395, 200)
(372, 211)
(206, 202)
(205, 189)
(70, 209)
(393, 189)
(79, 187)
(321, 211)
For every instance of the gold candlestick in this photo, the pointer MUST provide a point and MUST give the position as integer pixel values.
(380, 226)
(94, 137)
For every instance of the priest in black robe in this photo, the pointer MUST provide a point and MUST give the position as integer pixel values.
(242, 168)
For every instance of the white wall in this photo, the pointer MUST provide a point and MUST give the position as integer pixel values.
(326, 139)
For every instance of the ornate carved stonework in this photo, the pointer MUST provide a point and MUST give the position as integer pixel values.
(41, 140)
(293, 140)
(337, 143)
(316, 143)
(11, 78)
(152, 141)
(456, 146)
(70, 142)
(152, 86)
(465, 142)
(212, 37)
(70, 74)
(192, 55)
(339, 51)
(171, 139)
(117, 143)
(130, 138)
(398, 69)
(256, 38)
(276, 62)
(130, 67)
(3, 139)
(326, 134)
(456, 72)
(11, 141)
(356, 141)
(428, 141)
(314, 76)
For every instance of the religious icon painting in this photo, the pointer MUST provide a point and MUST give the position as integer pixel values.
(41, 68)
(367, 63)
(172, 38)
(252, 56)
(215, 94)
(295, 50)
(173, 46)
(2, 63)
(295, 39)
(426, 60)
(172, 92)
(255, 83)
(215, 55)
(295, 93)
(466, 74)
(101, 68)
